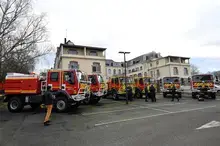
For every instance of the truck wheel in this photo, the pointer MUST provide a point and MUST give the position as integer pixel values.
(164, 95)
(213, 95)
(138, 94)
(180, 95)
(95, 101)
(34, 105)
(61, 104)
(87, 100)
(15, 105)
(194, 96)
(114, 95)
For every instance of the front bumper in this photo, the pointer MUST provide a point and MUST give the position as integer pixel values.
(99, 93)
(78, 97)
(209, 91)
(170, 91)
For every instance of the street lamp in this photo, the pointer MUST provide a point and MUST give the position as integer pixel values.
(125, 74)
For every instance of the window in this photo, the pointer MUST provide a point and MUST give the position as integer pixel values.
(175, 71)
(147, 57)
(158, 73)
(122, 65)
(145, 73)
(151, 73)
(93, 53)
(111, 64)
(141, 68)
(186, 71)
(129, 71)
(73, 65)
(109, 71)
(107, 64)
(54, 76)
(96, 67)
(114, 71)
(157, 62)
(137, 69)
(140, 75)
(72, 51)
(119, 71)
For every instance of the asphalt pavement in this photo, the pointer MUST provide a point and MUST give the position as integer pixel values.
(164, 123)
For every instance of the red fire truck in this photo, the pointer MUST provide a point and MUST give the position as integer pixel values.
(203, 80)
(98, 89)
(69, 88)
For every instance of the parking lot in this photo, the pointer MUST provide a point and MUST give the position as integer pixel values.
(115, 123)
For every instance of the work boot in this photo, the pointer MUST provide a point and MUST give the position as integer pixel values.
(46, 123)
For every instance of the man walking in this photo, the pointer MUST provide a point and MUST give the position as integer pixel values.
(146, 93)
(174, 92)
(48, 101)
(152, 93)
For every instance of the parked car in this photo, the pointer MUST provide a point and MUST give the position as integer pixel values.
(217, 88)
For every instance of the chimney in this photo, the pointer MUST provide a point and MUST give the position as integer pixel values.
(64, 40)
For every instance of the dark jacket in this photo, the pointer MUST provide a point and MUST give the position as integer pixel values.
(48, 98)
(173, 89)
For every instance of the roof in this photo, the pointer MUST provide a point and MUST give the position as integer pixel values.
(81, 47)
(176, 56)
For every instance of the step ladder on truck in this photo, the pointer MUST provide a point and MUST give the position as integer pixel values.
(69, 87)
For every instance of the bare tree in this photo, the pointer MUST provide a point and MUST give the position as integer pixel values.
(194, 69)
(21, 33)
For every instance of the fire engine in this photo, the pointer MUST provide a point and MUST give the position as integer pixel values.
(98, 89)
(167, 88)
(203, 80)
(116, 86)
(69, 88)
(140, 83)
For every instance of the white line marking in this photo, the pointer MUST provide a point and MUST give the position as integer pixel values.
(156, 109)
(156, 115)
(140, 107)
(210, 125)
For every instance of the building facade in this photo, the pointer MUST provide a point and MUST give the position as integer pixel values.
(93, 60)
(152, 64)
(86, 58)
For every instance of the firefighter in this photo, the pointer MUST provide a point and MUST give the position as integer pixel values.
(48, 101)
(152, 93)
(174, 92)
(146, 93)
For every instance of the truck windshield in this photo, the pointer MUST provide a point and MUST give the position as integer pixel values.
(171, 79)
(92, 78)
(122, 80)
(200, 78)
(100, 79)
(148, 80)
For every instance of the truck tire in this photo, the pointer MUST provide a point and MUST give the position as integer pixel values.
(114, 95)
(138, 94)
(61, 104)
(213, 95)
(15, 105)
(180, 95)
(164, 95)
(95, 101)
(194, 95)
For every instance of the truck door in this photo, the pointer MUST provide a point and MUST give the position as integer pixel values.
(54, 80)
(69, 82)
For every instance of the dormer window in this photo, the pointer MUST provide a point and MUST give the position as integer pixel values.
(93, 53)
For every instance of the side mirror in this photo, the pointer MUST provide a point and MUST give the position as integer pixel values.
(216, 79)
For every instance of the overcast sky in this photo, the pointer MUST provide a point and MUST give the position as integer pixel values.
(173, 27)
